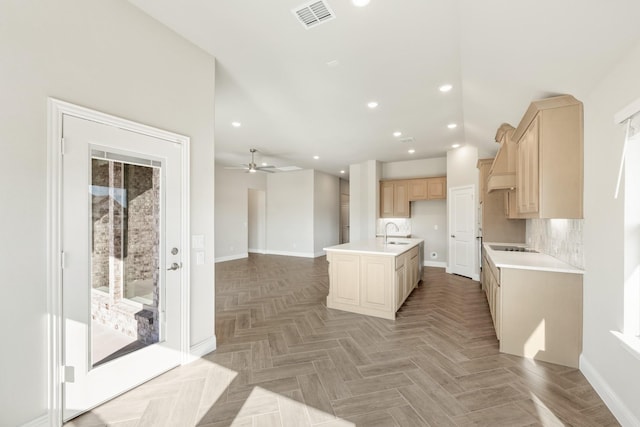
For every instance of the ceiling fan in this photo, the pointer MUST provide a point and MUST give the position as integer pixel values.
(252, 167)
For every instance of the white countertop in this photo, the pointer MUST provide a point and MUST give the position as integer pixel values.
(377, 246)
(527, 260)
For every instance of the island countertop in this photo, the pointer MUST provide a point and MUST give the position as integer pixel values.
(394, 247)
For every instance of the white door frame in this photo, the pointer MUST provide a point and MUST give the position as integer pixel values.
(56, 110)
(476, 267)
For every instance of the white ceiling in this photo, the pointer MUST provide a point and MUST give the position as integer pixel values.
(272, 74)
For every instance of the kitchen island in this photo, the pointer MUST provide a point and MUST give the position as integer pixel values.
(373, 277)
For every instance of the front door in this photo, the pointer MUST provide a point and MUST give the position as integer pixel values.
(462, 242)
(121, 278)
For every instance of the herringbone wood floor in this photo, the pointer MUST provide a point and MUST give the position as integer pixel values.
(284, 359)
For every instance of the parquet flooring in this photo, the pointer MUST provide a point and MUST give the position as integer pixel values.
(284, 359)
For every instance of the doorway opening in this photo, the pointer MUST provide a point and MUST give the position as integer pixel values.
(257, 221)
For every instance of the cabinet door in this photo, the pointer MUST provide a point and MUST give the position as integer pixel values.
(528, 169)
(413, 265)
(386, 199)
(510, 205)
(400, 280)
(401, 207)
(498, 309)
(436, 188)
(345, 274)
(376, 273)
(417, 189)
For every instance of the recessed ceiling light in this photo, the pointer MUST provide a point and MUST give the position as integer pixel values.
(455, 145)
(360, 3)
(445, 88)
(316, 157)
(397, 133)
(264, 163)
(452, 125)
(341, 171)
(236, 124)
(372, 104)
(412, 151)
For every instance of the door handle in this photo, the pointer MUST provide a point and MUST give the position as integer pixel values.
(174, 266)
(453, 235)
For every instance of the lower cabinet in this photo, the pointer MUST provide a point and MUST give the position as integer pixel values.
(536, 313)
(376, 285)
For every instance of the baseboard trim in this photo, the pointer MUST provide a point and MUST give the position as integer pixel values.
(296, 254)
(41, 421)
(202, 348)
(622, 413)
(440, 264)
(257, 251)
(232, 257)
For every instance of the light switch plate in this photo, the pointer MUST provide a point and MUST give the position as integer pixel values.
(197, 241)
(199, 258)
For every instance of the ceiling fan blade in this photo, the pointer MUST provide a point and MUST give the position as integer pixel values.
(236, 167)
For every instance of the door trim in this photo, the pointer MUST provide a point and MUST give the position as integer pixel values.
(56, 109)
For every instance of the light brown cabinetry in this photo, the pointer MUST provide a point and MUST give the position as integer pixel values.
(437, 188)
(491, 287)
(418, 189)
(549, 173)
(394, 199)
(396, 195)
(536, 313)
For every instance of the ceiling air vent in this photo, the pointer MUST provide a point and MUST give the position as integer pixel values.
(314, 13)
(406, 140)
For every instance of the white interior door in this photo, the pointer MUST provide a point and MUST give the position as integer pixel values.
(121, 237)
(462, 241)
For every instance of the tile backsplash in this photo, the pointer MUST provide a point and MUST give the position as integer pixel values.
(404, 225)
(560, 238)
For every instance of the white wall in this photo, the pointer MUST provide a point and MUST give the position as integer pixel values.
(364, 199)
(462, 171)
(231, 216)
(614, 372)
(290, 213)
(111, 57)
(326, 211)
(415, 168)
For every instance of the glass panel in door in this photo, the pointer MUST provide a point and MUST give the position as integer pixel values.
(125, 244)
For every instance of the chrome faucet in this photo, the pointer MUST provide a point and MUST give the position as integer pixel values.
(386, 228)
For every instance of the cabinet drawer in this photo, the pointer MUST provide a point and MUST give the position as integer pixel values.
(413, 252)
(400, 261)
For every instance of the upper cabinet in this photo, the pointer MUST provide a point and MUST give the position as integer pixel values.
(418, 189)
(549, 170)
(395, 195)
(437, 188)
(394, 199)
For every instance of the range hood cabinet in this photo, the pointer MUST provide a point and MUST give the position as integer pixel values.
(502, 175)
